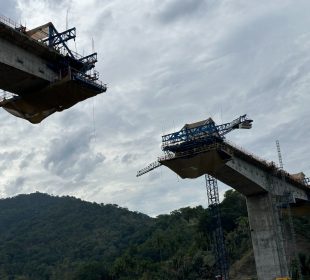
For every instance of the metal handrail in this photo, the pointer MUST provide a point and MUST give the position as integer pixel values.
(197, 150)
(97, 83)
(238, 147)
(9, 22)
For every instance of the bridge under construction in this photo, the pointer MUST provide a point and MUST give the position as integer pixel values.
(201, 148)
(41, 73)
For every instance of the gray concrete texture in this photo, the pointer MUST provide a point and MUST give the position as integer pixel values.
(267, 238)
(261, 183)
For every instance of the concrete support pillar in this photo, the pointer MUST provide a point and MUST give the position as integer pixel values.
(267, 238)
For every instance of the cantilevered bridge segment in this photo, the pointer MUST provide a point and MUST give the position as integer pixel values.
(199, 149)
(239, 169)
(41, 72)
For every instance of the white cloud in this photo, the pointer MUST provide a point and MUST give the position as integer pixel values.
(166, 64)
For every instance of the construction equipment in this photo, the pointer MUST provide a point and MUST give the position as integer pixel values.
(200, 149)
(201, 133)
(192, 136)
(42, 73)
(219, 248)
(187, 140)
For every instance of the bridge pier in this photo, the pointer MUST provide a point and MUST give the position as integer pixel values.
(267, 237)
(260, 182)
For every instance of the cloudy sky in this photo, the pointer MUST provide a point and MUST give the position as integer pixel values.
(166, 63)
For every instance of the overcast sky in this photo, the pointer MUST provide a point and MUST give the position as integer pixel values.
(166, 63)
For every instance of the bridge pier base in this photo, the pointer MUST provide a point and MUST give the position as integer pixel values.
(267, 237)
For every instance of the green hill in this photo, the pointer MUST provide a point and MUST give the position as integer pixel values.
(48, 237)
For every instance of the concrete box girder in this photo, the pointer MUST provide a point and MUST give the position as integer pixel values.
(260, 182)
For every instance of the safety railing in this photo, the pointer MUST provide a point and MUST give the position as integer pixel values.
(9, 22)
(198, 150)
(89, 80)
(243, 150)
(269, 166)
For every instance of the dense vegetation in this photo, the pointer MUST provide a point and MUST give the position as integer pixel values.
(46, 237)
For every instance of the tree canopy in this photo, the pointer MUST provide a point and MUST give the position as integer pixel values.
(49, 237)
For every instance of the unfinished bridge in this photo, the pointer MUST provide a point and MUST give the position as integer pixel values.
(200, 148)
(41, 73)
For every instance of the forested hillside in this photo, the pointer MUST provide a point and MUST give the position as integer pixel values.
(47, 237)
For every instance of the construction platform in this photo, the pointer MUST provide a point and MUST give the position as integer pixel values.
(41, 72)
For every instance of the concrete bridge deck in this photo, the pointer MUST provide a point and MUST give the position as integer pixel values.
(263, 184)
(44, 79)
(233, 166)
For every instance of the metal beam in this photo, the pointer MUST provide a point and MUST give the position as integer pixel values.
(56, 38)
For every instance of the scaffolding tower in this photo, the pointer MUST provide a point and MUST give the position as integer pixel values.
(221, 260)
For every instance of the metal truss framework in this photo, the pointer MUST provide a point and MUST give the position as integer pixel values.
(58, 41)
(206, 132)
(219, 248)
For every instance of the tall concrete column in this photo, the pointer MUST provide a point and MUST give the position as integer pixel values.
(267, 238)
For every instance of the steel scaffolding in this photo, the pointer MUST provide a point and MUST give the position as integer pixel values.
(222, 267)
